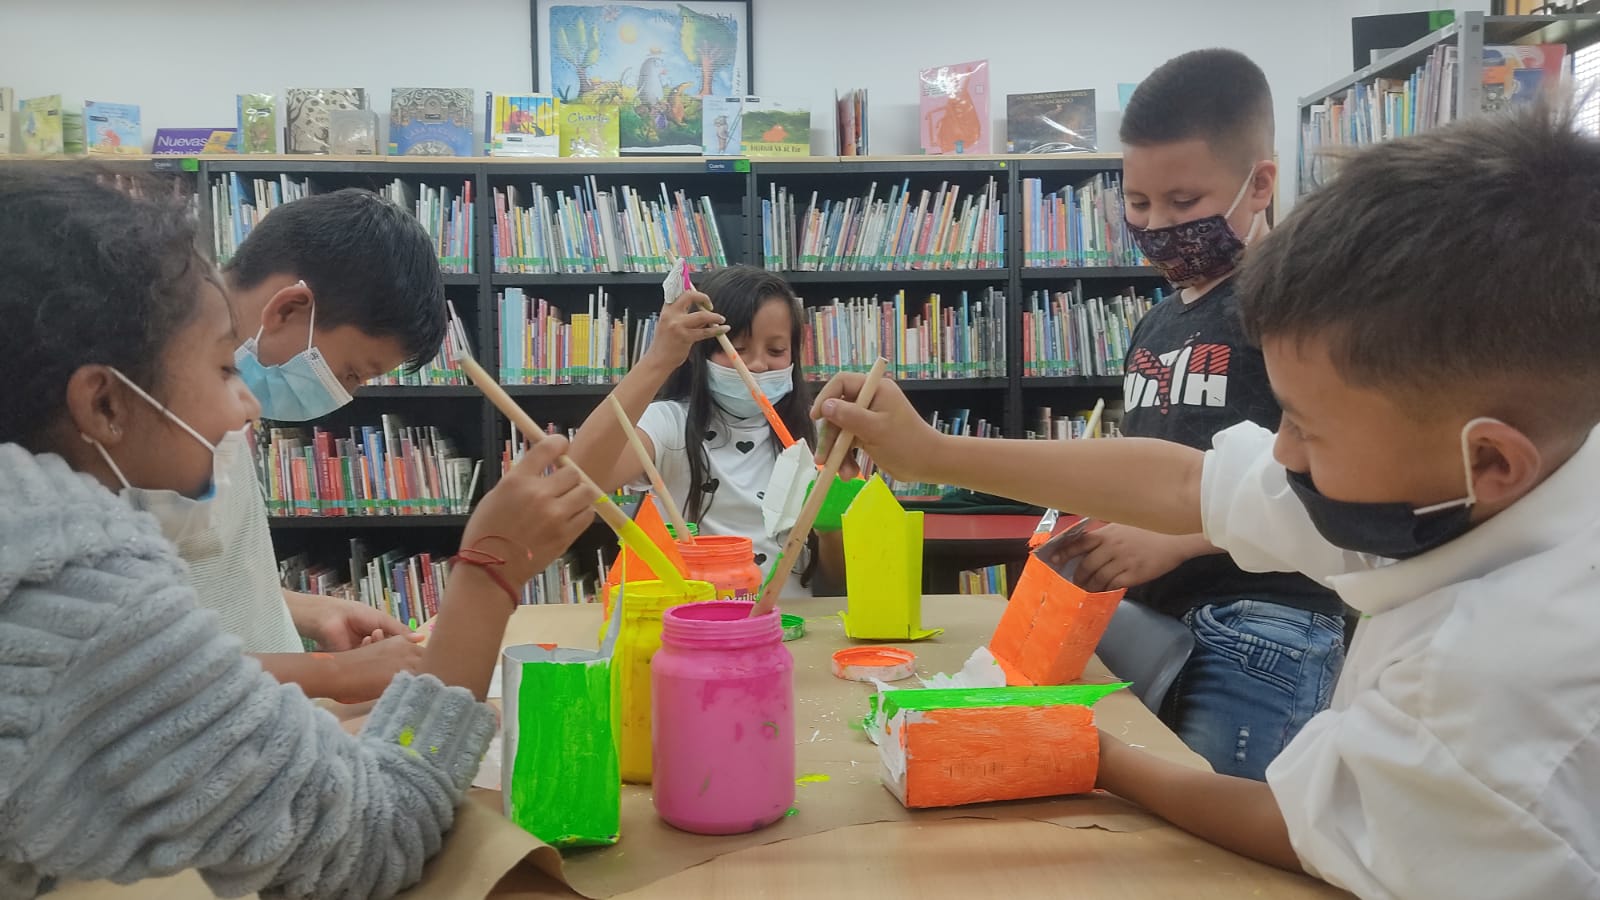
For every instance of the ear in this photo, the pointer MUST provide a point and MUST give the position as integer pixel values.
(99, 406)
(1263, 185)
(288, 308)
(1506, 464)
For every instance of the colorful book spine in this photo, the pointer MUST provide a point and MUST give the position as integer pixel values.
(543, 344)
(960, 338)
(944, 230)
(239, 203)
(1073, 426)
(1079, 227)
(447, 215)
(395, 471)
(595, 230)
(1064, 333)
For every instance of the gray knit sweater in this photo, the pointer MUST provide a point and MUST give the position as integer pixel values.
(136, 740)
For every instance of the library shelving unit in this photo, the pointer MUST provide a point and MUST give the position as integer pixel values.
(733, 195)
(1468, 36)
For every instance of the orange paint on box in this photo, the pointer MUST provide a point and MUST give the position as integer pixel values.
(960, 756)
(1050, 628)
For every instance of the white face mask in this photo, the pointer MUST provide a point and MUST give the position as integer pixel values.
(730, 392)
(184, 520)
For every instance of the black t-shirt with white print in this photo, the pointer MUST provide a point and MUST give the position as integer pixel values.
(1191, 374)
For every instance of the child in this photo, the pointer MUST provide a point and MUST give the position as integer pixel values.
(713, 447)
(1429, 321)
(329, 292)
(1197, 175)
(136, 739)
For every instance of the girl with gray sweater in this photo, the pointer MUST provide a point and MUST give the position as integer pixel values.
(136, 740)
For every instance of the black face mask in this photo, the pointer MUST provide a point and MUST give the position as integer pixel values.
(1389, 530)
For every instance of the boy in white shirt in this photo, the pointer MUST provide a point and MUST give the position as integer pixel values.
(1429, 321)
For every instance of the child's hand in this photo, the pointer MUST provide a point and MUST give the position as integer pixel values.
(891, 432)
(534, 516)
(1121, 556)
(345, 624)
(684, 323)
(365, 672)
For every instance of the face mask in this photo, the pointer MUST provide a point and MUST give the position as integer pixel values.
(301, 389)
(1390, 530)
(729, 390)
(184, 520)
(1192, 253)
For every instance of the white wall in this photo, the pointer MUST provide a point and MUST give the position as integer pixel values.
(184, 60)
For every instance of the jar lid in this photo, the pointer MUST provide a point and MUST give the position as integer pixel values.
(868, 663)
(794, 627)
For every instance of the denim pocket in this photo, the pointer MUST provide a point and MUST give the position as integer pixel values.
(1268, 642)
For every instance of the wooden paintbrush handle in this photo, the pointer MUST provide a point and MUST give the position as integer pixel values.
(808, 514)
(673, 513)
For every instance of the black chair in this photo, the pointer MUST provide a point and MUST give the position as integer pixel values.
(1146, 648)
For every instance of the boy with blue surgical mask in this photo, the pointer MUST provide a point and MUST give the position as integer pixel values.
(329, 292)
(1429, 321)
(1198, 175)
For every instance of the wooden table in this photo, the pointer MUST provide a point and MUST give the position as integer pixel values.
(932, 855)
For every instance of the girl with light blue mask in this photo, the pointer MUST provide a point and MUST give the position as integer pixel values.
(706, 432)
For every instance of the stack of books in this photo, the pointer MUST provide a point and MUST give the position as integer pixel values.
(595, 230)
(925, 230)
(1076, 226)
(388, 470)
(447, 216)
(541, 344)
(964, 337)
(1065, 333)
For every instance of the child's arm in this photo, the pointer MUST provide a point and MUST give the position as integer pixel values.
(1146, 483)
(1234, 813)
(600, 446)
(353, 676)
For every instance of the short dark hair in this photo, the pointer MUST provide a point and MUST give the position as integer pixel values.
(369, 263)
(737, 293)
(1465, 260)
(1217, 95)
(94, 270)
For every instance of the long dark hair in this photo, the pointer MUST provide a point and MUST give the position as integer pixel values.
(737, 292)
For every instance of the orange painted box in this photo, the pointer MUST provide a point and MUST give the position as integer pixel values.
(952, 747)
(1050, 627)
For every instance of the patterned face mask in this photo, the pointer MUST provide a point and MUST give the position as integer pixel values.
(1196, 252)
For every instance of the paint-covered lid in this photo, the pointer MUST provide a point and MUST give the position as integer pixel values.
(868, 663)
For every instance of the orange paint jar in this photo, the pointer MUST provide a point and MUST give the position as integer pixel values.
(727, 561)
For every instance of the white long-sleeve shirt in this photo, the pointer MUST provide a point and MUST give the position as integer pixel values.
(1459, 757)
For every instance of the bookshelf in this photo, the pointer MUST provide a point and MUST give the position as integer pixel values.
(733, 198)
(1453, 55)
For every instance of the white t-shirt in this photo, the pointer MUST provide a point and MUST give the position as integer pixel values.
(234, 569)
(741, 454)
(1460, 756)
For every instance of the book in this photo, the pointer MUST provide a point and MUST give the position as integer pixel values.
(353, 132)
(74, 136)
(194, 141)
(1078, 226)
(239, 202)
(112, 128)
(722, 129)
(1051, 122)
(773, 128)
(590, 131)
(850, 127)
(430, 122)
(40, 127)
(1515, 75)
(954, 108)
(308, 115)
(258, 123)
(663, 121)
(524, 125)
(447, 216)
(603, 230)
(8, 118)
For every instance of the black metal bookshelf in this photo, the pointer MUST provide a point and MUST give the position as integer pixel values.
(736, 197)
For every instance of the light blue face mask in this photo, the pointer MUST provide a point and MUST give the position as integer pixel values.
(301, 389)
(729, 390)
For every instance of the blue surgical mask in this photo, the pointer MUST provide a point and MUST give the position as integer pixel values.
(301, 389)
(729, 390)
(1390, 530)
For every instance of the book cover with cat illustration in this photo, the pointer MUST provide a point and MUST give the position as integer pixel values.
(954, 108)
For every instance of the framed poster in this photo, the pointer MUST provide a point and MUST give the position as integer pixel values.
(652, 59)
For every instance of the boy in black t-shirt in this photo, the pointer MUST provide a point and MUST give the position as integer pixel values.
(1198, 175)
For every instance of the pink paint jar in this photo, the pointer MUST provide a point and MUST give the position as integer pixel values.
(723, 732)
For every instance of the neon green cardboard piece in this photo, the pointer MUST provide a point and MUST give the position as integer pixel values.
(883, 568)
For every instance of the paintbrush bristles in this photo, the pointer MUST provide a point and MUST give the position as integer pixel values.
(808, 514)
(673, 513)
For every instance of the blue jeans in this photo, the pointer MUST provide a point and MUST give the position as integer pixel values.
(1258, 673)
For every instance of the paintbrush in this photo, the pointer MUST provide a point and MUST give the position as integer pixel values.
(1047, 522)
(662, 494)
(672, 291)
(808, 515)
(627, 530)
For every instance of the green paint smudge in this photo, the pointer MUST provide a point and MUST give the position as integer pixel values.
(792, 812)
(407, 735)
(812, 778)
(770, 726)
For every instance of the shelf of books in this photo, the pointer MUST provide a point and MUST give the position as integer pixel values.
(1003, 290)
(1477, 64)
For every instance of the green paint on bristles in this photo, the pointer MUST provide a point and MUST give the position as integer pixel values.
(776, 562)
